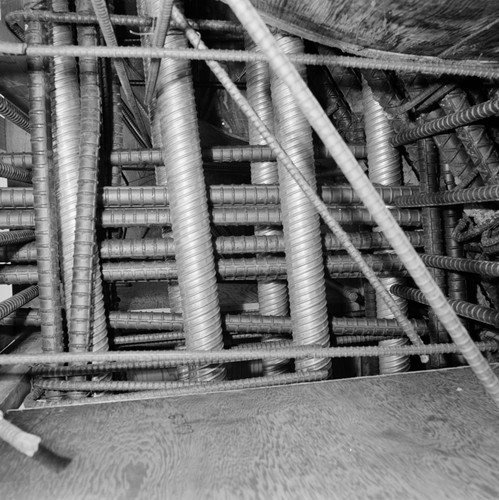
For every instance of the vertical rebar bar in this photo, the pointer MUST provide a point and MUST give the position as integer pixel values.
(44, 201)
(433, 233)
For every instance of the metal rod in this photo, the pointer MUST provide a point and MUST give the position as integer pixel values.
(225, 356)
(8, 306)
(448, 122)
(471, 311)
(44, 203)
(438, 67)
(240, 194)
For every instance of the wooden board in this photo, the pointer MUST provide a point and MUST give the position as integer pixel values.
(424, 27)
(419, 435)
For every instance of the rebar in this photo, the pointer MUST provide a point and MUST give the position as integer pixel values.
(466, 309)
(12, 113)
(433, 245)
(439, 67)
(449, 122)
(16, 238)
(234, 323)
(216, 154)
(44, 203)
(456, 197)
(116, 19)
(15, 173)
(227, 356)
(8, 306)
(474, 138)
(180, 386)
(240, 194)
(456, 282)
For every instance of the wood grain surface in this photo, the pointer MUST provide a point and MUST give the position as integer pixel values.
(419, 435)
(425, 27)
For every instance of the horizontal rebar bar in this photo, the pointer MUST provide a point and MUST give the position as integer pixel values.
(438, 67)
(180, 386)
(227, 356)
(214, 154)
(462, 308)
(234, 323)
(241, 215)
(158, 248)
(455, 197)
(232, 269)
(224, 194)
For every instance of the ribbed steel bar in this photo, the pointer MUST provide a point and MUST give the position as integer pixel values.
(301, 225)
(462, 265)
(449, 122)
(240, 194)
(241, 215)
(433, 242)
(224, 245)
(14, 114)
(232, 355)
(176, 109)
(178, 387)
(449, 67)
(16, 238)
(16, 173)
(456, 282)
(118, 20)
(456, 197)
(476, 142)
(234, 269)
(20, 299)
(257, 29)
(215, 154)
(44, 203)
(235, 323)
(452, 153)
(87, 321)
(234, 216)
(466, 309)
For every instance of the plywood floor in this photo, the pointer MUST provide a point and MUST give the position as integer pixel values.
(421, 435)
